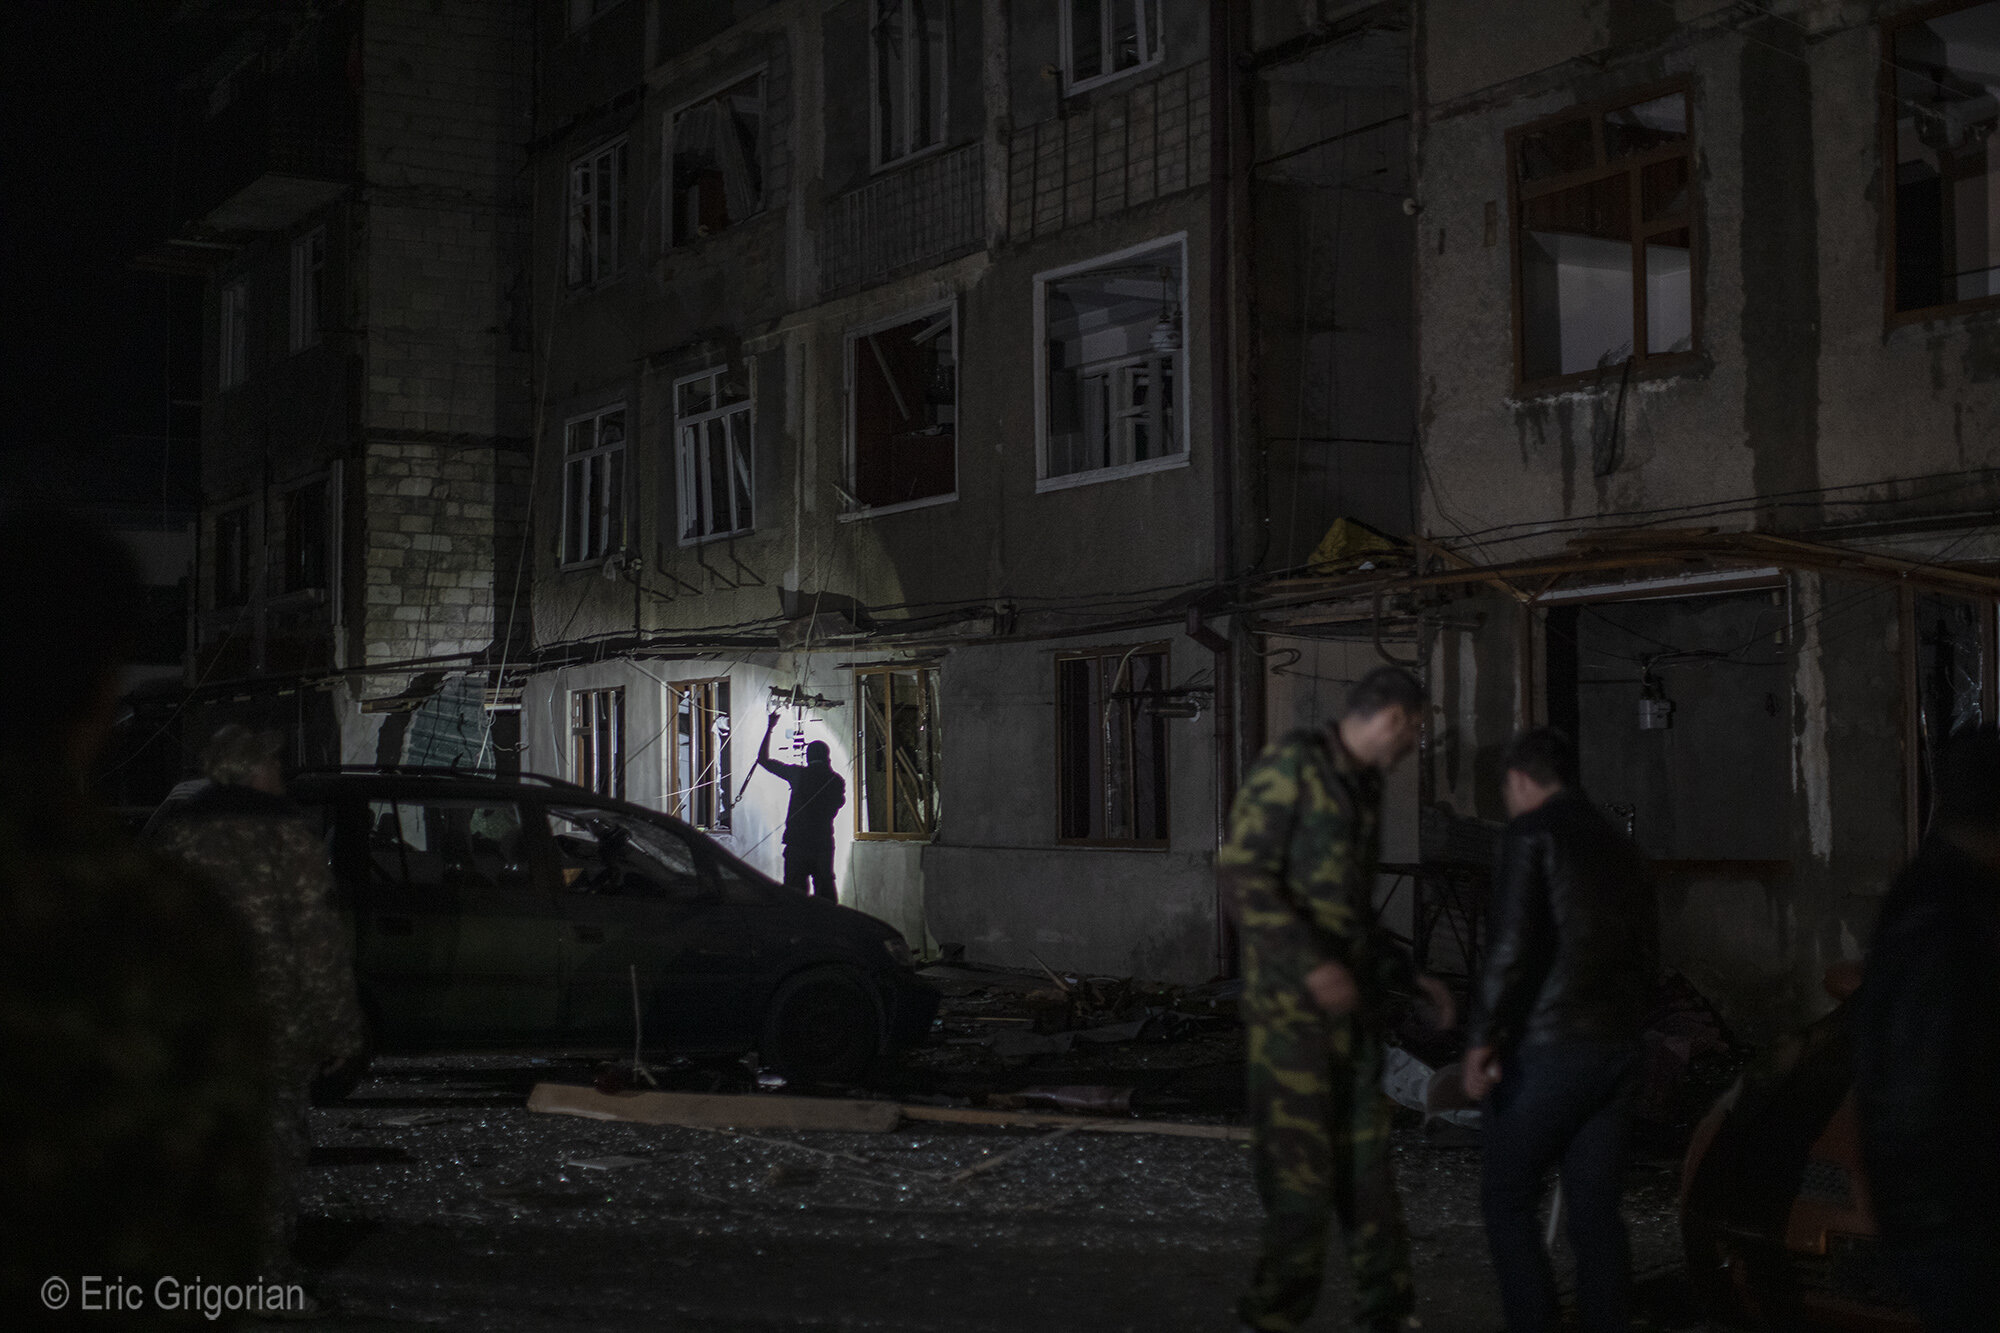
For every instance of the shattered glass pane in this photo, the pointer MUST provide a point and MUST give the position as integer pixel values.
(1632, 130)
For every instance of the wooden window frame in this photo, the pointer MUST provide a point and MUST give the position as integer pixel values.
(1664, 363)
(583, 767)
(1893, 318)
(927, 690)
(1129, 651)
(680, 799)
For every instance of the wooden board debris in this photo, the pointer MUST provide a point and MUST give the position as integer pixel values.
(718, 1111)
(972, 1115)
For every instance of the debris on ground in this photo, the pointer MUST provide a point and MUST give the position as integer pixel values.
(717, 1111)
(1437, 1094)
(1106, 1101)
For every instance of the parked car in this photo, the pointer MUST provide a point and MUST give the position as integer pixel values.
(531, 914)
(1775, 1212)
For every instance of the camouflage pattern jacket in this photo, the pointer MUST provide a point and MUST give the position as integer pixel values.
(135, 1107)
(1304, 839)
(259, 850)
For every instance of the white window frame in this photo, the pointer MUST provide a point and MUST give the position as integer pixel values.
(584, 263)
(691, 468)
(1152, 43)
(876, 157)
(233, 328)
(1045, 482)
(308, 288)
(670, 238)
(851, 458)
(602, 523)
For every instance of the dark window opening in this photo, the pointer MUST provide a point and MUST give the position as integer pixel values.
(1112, 747)
(906, 412)
(718, 161)
(1944, 104)
(232, 557)
(305, 537)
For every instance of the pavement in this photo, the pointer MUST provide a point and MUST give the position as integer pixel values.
(435, 1199)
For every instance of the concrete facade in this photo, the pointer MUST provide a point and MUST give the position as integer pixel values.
(1787, 790)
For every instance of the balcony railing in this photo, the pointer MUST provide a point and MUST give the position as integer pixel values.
(932, 210)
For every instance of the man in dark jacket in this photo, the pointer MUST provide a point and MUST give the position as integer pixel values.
(1553, 1039)
(133, 1109)
(1927, 1052)
(818, 793)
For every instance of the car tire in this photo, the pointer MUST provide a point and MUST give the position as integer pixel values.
(824, 1025)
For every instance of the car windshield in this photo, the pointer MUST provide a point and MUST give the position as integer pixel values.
(606, 853)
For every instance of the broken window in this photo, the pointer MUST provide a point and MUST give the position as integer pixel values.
(308, 288)
(1111, 746)
(905, 410)
(1112, 361)
(698, 763)
(594, 486)
(233, 351)
(597, 740)
(305, 537)
(1605, 235)
(1944, 102)
(596, 206)
(1105, 38)
(712, 427)
(898, 725)
(718, 161)
(232, 556)
(910, 70)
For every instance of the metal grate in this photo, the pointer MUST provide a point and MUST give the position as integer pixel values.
(930, 211)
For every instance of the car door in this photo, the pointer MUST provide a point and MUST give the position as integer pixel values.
(457, 938)
(644, 914)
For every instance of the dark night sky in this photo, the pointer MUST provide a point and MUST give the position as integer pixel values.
(87, 168)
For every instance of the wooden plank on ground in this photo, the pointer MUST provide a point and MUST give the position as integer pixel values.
(717, 1111)
(972, 1115)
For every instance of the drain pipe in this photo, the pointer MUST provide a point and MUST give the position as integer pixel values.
(1223, 25)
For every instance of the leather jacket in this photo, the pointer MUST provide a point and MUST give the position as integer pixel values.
(1572, 948)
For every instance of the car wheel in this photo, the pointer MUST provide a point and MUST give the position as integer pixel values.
(824, 1026)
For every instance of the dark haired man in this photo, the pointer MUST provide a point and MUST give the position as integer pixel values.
(818, 793)
(1318, 973)
(1571, 958)
(1927, 1052)
(134, 1106)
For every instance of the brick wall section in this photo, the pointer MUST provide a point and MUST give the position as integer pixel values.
(1120, 151)
(446, 406)
(444, 532)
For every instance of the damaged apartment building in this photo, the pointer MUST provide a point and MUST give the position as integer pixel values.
(351, 193)
(1708, 311)
(893, 372)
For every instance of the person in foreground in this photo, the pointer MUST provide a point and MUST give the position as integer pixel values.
(245, 837)
(133, 1108)
(1927, 1052)
(1553, 1039)
(1319, 974)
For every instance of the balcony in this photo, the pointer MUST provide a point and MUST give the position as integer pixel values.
(923, 214)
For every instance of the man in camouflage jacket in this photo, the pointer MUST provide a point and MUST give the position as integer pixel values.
(1317, 973)
(245, 837)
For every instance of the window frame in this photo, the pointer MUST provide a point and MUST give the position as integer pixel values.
(1653, 364)
(689, 490)
(1886, 94)
(679, 802)
(617, 150)
(1129, 651)
(851, 457)
(289, 499)
(585, 775)
(233, 330)
(670, 233)
(929, 687)
(1183, 389)
(1157, 42)
(876, 161)
(241, 594)
(308, 309)
(623, 518)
